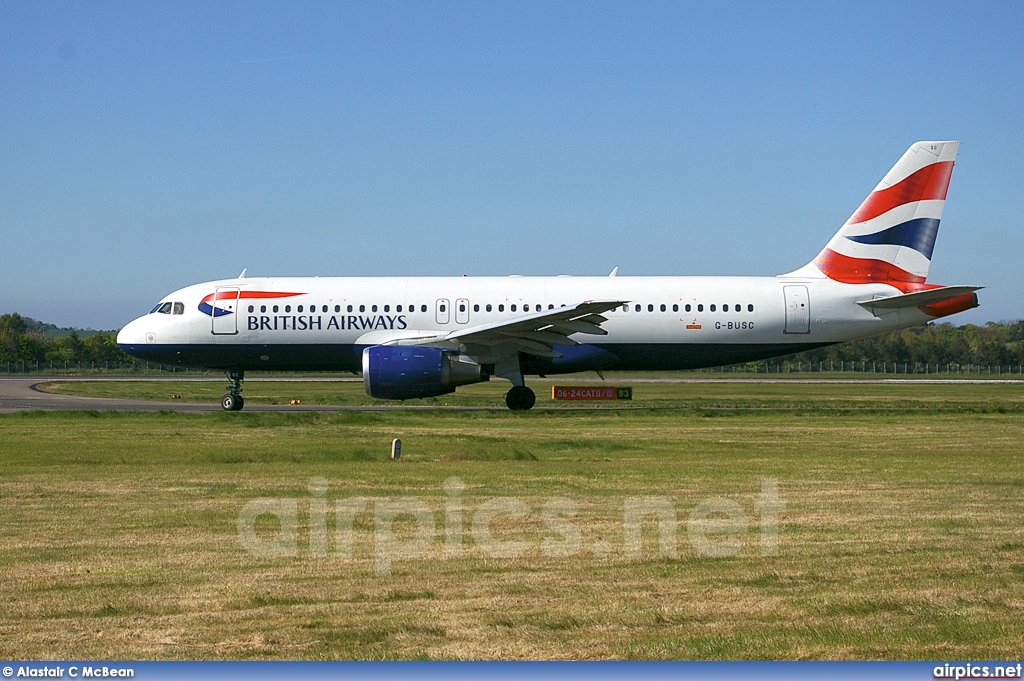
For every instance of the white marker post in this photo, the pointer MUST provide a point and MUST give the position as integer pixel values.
(396, 449)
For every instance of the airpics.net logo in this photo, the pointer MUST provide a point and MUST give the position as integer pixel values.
(394, 529)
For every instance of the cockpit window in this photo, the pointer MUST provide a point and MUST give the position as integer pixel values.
(165, 308)
(179, 308)
(155, 308)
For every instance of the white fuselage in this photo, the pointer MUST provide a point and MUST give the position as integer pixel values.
(668, 323)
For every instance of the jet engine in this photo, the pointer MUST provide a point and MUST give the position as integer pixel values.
(397, 372)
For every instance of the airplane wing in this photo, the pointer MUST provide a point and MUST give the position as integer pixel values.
(918, 298)
(533, 334)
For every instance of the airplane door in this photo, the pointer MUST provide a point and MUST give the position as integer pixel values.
(443, 311)
(798, 309)
(462, 311)
(225, 310)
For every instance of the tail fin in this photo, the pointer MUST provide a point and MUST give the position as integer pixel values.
(890, 237)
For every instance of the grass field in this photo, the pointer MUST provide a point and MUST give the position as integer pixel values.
(900, 535)
(733, 394)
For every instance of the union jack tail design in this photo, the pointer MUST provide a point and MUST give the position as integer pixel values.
(890, 237)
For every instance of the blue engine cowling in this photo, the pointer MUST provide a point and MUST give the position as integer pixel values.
(396, 372)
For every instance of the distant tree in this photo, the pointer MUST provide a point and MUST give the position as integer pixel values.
(102, 347)
(13, 323)
(32, 347)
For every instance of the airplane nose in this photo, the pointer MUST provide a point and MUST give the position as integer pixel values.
(131, 334)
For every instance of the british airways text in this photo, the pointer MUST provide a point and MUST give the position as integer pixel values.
(323, 322)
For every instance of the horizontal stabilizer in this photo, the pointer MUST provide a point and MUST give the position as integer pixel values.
(918, 298)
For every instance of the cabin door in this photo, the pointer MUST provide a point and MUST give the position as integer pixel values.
(225, 310)
(798, 309)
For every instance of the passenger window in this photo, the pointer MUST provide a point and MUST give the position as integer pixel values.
(299, 308)
(337, 308)
(387, 308)
(287, 308)
(501, 308)
(373, 308)
(675, 307)
(551, 306)
(252, 309)
(625, 308)
(398, 308)
(663, 307)
(476, 308)
(349, 308)
(275, 308)
(423, 308)
(513, 307)
(750, 308)
(362, 308)
(712, 307)
(488, 308)
(462, 307)
(700, 307)
(323, 309)
(688, 307)
(738, 308)
(263, 308)
(443, 308)
(638, 307)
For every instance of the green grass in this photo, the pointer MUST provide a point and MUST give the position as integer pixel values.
(737, 394)
(901, 536)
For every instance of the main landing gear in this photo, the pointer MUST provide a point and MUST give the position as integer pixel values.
(233, 400)
(520, 398)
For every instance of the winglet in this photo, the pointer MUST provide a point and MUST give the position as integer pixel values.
(614, 272)
(242, 274)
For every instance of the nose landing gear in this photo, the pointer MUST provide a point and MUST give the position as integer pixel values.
(233, 401)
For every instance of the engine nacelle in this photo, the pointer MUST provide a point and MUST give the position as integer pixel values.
(403, 372)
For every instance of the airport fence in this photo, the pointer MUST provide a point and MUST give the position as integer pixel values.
(867, 367)
(62, 368)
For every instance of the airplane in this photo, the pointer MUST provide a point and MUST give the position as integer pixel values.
(415, 337)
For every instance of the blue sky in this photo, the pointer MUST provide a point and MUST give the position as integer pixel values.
(148, 146)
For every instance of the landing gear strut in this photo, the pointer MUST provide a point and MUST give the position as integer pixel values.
(233, 400)
(520, 398)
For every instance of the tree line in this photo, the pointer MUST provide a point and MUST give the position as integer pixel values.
(23, 339)
(994, 344)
